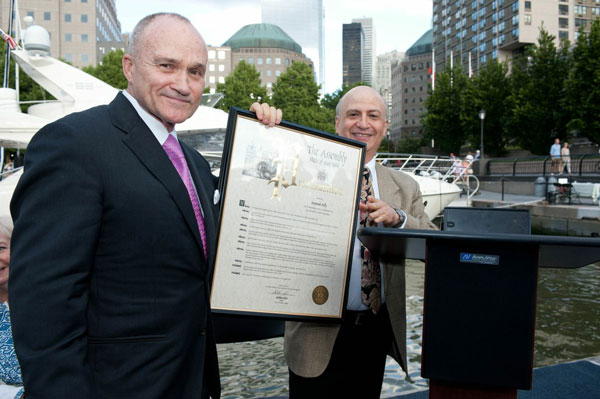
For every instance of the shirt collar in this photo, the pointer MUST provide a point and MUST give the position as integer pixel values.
(155, 126)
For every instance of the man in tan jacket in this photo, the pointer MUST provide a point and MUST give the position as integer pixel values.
(348, 359)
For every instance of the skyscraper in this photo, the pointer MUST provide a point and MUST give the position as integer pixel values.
(81, 32)
(383, 83)
(498, 29)
(352, 56)
(303, 21)
(410, 83)
(368, 67)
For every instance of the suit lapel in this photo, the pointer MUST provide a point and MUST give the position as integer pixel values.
(144, 145)
(388, 189)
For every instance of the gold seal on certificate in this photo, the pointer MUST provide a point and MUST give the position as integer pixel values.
(320, 295)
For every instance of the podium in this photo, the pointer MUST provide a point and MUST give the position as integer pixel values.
(480, 302)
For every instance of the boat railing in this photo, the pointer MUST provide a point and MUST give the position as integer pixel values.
(6, 173)
(451, 169)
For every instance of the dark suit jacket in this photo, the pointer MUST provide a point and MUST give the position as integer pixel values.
(109, 287)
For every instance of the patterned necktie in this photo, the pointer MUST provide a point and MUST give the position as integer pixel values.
(370, 271)
(173, 150)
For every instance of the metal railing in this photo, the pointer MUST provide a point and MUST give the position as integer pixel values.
(452, 170)
(580, 165)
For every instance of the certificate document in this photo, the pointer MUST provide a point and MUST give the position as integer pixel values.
(288, 220)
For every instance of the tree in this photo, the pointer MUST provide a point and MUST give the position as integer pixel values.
(490, 91)
(537, 90)
(297, 94)
(241, 88)
(583, 85)
(110, 70)
(444, 106)
(331, 101)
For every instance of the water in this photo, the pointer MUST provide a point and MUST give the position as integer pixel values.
(567, 328)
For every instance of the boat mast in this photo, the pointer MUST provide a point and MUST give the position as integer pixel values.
(11, 12)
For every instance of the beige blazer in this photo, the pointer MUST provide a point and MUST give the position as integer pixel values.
(308, 345)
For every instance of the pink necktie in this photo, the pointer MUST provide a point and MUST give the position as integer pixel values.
(173, 150)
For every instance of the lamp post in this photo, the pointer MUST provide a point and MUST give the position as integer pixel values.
(482, 117)
(387, 134)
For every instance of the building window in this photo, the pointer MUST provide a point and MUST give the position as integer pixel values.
(563, 9)
(47, 16)
(563, 23)
(269, 84)
(527, 19)
(581, 10)
(563, 34)
(515, 20)
(31, 14)
(211, 67)
(528, 6)
(84, 38)
(250, 60)
(69, 57)
(84, 18)
(68, 37)
(269, 73)
(277, 61)
(287, 62)
(84, 58)
(67, 17)
(259, 61)
(221, 67)
(580, 22)
(277, 73)
(67, 1)
(84, 1)
(221, 54)
(212, 54)
(269, 61)
(211, 79)
(221, 79)
(595, 11)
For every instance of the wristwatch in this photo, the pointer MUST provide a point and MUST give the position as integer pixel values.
(402, 218)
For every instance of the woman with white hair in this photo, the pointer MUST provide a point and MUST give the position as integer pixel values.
(11, 383)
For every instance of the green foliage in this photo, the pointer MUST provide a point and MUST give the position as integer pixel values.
(297, 94)
(242, 88)
(330, 101)
(29, 90)
(538, 79)
(583, 85)
(110, 70)
(444, 106)
(490, 91)
(409, 146)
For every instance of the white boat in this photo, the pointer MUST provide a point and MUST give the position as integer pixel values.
(441, 179)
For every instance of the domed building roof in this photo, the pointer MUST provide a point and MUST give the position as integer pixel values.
(262, 36)
(423, 45)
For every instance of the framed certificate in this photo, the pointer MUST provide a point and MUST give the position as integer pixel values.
(288, 220)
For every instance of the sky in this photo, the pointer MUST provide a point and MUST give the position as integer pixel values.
(398, 23)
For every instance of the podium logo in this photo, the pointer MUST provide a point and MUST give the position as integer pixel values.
(482, 259)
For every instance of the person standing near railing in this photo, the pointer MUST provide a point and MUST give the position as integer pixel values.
(565, 154)
(555, 154)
